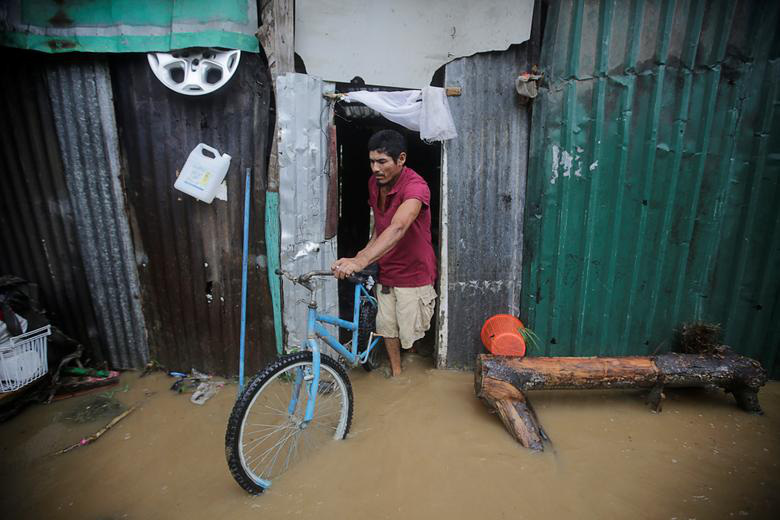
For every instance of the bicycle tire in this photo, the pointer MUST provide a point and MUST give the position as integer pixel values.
(271, 384)
(367, 325)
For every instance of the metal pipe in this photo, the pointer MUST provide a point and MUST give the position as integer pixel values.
(243, 283)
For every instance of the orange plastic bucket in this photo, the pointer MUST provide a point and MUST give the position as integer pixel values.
(501, 336)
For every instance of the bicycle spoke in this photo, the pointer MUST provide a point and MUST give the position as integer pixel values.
(294, 454)
(259, 442)
(279, 450)
(323, 426)
(321, 415)
(328, 432)
(275, 410)
(265, 425)
(280, 443)
(264, 454)
(278, 396)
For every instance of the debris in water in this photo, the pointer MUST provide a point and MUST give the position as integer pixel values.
(188, 382)
(152, 366)
(95, 436)
(94, 409)
(205, 391)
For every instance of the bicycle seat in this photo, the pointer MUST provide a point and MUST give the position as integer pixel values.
(372, 271)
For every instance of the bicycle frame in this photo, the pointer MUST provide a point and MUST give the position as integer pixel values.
(315, 330)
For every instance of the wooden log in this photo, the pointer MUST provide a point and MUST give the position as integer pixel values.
(536, 373)
(514, 410)
(737, 374)
(501, 381)
(499, 376)
(520, 420)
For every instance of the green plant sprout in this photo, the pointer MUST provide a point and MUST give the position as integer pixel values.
(532, 341)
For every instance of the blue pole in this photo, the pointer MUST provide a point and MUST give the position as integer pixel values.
(243, 283)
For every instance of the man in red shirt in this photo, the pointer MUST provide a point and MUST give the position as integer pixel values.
(401, 243)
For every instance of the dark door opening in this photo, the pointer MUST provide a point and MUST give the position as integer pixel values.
(354, 126)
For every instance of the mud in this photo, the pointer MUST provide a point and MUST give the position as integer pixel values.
(421, 446)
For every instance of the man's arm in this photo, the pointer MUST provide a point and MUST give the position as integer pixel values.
(371, 240)
(380, 245)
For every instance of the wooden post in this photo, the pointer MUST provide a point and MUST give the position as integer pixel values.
(276, 36)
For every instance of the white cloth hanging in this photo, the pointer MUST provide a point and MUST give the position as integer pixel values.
(426, 111)
(436, 122)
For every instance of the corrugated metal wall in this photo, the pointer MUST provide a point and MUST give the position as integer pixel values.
(654, 177)
(303, 198)
(38, 238)
(483, 195)
(83, 109)
(188, 252)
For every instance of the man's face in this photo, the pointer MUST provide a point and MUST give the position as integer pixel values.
(384, 167)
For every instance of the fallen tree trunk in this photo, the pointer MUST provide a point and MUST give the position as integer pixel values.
(501, 381)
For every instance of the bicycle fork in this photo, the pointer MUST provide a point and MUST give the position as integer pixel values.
(311, 382)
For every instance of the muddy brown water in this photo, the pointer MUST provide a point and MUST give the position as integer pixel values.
(421, 446)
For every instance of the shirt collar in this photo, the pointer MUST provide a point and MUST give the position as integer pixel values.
(401, 180)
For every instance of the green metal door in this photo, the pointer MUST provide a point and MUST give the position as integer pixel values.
(653, 180)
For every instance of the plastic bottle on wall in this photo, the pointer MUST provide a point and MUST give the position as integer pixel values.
(203, 172)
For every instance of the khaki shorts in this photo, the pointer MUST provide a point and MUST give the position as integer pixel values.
(405, 313)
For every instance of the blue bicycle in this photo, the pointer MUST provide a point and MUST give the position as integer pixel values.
(304, 399)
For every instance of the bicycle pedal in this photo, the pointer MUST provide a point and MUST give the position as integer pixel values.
(308, 377)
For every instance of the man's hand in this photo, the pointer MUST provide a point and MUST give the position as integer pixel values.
(378, 246)
(344, 267)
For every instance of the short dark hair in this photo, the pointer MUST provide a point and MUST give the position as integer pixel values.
(388, 141)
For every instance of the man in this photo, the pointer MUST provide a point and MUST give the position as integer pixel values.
(401, 243)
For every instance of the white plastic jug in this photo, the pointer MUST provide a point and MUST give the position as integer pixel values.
(203, 172)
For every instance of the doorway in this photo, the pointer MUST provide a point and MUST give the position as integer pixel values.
(355, 124)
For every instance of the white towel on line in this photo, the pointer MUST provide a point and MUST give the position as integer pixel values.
(426, 111)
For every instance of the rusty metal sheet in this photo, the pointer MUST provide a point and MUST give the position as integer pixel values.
(38, 237)
(83, 109)
(483, 199)
(188, 252)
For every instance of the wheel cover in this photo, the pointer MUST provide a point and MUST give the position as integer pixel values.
(194, 72)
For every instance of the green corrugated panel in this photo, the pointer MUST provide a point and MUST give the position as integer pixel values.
(655, 166)
(128, 25)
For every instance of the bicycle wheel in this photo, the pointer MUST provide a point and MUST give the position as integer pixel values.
(366, 325)
(264, 438)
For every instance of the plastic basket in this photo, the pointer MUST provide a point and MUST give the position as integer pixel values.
(23, 359)
(500, 335)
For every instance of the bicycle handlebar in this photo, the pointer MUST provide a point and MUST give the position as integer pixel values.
(356, 278)
(304, 278)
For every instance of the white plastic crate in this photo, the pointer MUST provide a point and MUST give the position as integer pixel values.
(23, 359)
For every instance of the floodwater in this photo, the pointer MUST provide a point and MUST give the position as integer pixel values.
(421, 446)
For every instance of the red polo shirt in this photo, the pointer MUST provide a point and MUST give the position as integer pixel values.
(412, 262)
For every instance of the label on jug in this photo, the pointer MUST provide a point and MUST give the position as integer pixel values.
(198, 179)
